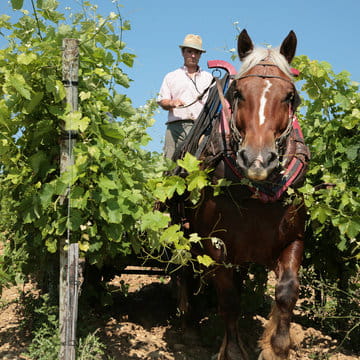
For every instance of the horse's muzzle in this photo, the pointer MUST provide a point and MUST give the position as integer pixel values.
(257, 167)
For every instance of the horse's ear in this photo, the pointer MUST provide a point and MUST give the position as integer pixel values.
(245, 45)
(288, 46)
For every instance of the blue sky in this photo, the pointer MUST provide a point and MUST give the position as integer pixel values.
(326, 30)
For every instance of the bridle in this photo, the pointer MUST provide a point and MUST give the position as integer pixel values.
(279, 141)
(288, 172)
(264, 76)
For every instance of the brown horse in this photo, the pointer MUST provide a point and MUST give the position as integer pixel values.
(255, 141)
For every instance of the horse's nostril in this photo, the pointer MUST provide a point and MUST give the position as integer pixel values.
(243, 158)
(272, 157)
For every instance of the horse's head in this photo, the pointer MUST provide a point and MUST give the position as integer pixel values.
(263, 98)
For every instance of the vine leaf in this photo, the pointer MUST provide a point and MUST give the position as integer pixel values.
(17, 4)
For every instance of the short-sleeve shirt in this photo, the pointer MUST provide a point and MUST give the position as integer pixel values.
(179, 85)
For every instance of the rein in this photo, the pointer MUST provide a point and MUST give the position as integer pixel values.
(198, 98)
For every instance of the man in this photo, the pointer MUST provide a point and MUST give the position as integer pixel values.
(181, 94)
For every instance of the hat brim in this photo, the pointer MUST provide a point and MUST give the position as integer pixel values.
(192, 47)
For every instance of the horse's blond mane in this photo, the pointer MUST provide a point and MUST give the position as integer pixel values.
(259, 54)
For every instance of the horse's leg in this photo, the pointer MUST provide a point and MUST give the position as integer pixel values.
(228, 304)
(276, 342)
(183, 283)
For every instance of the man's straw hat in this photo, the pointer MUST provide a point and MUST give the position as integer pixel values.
(193, 41)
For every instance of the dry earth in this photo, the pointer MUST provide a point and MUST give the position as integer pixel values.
(144, 325)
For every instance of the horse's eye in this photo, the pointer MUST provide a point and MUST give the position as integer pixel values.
(289, 98)
(238, 95)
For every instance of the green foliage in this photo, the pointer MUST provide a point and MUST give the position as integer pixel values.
(17, 4)
(330, 120)
(13, 254)
(39, 318)
(108, 181)
(12, 259)
(336, 311)
(45, 344)
(172, 240)
(91, 348)
(114, 182)
(104, 200)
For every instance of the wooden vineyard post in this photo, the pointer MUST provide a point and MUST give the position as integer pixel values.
(69, 253)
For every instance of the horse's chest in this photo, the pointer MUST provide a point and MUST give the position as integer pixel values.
(249, 230)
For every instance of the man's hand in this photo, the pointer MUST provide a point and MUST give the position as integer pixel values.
(168, 104)
(176, 103)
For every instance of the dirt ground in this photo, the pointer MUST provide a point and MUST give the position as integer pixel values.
(144, 325)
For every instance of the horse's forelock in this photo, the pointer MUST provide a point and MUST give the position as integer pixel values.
(260, 54)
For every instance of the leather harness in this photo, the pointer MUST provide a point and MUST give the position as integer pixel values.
(294, 170)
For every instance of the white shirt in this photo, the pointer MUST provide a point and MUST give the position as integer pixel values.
(179, 85)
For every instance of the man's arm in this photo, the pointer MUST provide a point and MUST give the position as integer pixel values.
(168, 104)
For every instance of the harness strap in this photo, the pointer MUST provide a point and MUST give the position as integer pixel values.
(265, 77)
(283, 180)
(227, 122)
(224, 103)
